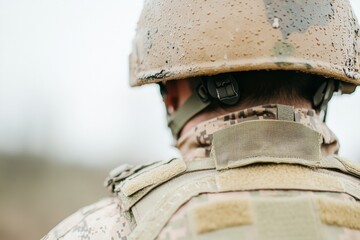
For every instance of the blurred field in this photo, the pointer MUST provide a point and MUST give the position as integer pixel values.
(36, 194)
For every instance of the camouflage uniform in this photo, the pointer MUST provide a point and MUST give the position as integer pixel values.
(254, 213)
(265, 173)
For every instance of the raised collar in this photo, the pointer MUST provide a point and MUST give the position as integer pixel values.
(196, 143)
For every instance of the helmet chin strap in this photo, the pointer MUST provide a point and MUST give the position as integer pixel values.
(193, 105)
(224, 89)
(323, 95)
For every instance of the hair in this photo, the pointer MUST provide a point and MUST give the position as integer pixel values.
(281, 87)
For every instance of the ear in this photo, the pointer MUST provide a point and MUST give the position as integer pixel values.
(172, 96)
(177, 92)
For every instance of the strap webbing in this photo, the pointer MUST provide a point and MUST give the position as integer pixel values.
(191, 107)
(285, 113)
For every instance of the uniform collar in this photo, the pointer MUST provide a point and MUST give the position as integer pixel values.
(196, 143)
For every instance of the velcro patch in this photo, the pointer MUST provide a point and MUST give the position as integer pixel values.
(277, 176)
(222, 214)
(155, 176)
(339, 213)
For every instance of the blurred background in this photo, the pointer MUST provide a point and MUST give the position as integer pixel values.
(67, 114)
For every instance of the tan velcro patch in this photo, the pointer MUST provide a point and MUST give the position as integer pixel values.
(222, 214)
(156, 176)
(277, 176)
(339, 213)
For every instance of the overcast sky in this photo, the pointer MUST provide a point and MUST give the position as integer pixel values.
(64, 86)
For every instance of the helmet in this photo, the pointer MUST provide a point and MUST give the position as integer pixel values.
(179, 39)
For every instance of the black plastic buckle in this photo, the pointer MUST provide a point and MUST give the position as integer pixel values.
(224, 87)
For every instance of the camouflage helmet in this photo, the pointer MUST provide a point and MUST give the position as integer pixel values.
(179, 39)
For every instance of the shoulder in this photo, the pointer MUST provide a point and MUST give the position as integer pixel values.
(101, 220)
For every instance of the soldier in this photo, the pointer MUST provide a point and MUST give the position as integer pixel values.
(246, 85)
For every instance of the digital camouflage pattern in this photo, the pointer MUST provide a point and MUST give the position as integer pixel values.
(106, 220)
(101, 220)
(196, 143)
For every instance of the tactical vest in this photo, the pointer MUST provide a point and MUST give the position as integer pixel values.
(248, 157)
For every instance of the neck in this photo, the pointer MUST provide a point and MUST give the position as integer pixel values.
(206, 115)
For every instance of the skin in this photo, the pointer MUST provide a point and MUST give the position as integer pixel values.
(179, 91)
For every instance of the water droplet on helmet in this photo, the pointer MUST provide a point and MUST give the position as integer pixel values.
(276, 23)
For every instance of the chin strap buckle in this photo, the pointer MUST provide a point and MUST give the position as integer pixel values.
(223, 87)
